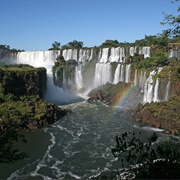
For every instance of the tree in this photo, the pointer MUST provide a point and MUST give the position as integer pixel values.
(75, 44)
(55, 46)
(148, 160)
(174, 22)
(110, 43)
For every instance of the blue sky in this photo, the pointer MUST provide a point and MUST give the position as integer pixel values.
(36, 24)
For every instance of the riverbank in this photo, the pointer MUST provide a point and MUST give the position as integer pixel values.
(163, 115)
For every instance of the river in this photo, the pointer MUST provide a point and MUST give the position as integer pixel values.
(78, 146)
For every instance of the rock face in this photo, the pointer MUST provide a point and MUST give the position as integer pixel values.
(22, 80)
(163, 115)
(27, 112)
(21, 106)
(113, 94)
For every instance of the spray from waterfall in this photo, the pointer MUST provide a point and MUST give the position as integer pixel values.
(45, 59)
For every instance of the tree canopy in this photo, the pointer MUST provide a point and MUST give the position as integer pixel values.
(55, 46)
(73, 45)
(173, 22)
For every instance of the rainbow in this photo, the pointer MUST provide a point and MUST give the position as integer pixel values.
(121, 96)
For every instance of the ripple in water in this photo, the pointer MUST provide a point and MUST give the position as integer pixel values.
(79, 145)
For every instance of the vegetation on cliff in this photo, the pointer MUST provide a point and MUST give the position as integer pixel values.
(64, 71)
(27, 112)
(21, 106)
(163, 115)
(112, 94)
(25, 79)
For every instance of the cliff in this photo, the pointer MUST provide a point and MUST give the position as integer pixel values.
(22, 80)
(121, 94)
(163, 115)
(22, 88)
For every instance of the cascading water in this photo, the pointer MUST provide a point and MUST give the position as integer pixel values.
(156, 88)
(115, 52)
(122, 73)
(167, 90)
(79, 77)
(102, 74)
(122, 56)
(128, 69)
(132, 50)
(135, 78)
(117, 74)
(148, 89)
(45, 59)
(104, 57)
(145, 51)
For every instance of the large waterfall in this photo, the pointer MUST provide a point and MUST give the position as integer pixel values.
(103, 70)
(44, 59)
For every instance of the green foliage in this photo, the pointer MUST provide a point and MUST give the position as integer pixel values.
(114, 66)
(174, 22)
(173, 71)
(60, 58)
(25, 79)
(64, 68)
(73, 45)
(158, 59)
(110, 43)
(55, 46)
(147, 156)
(7, 152)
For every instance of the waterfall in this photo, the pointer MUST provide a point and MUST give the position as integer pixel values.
(117, 74)
(167, 90)
(156, 88)
(104, 57)
(145, 51)
(114, 56)
(85, 55)
(121, 55)
(122, 73)
(127, 77)
(132, 50)
(45, 59)
(143, 81)
(175, 53)
(78, 77)
(148, 88)
(102, 74)
(135, 78)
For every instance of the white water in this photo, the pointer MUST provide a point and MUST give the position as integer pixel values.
(132, 50)
(122, 73)
(156, 88)
(148, 89)
(104, 57)
(167, 90)
(102, 74)
(151, 89)
(145, 51)
(135, 78)
(117, 74)
(79, 77)
(128, 70)
(45, 59)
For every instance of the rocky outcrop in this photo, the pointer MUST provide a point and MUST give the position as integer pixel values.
(22, 80)
(21, 105)
(163, 115)
(113, 94)
(27, 112)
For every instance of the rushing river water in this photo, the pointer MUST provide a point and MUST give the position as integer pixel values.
(78, 146)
